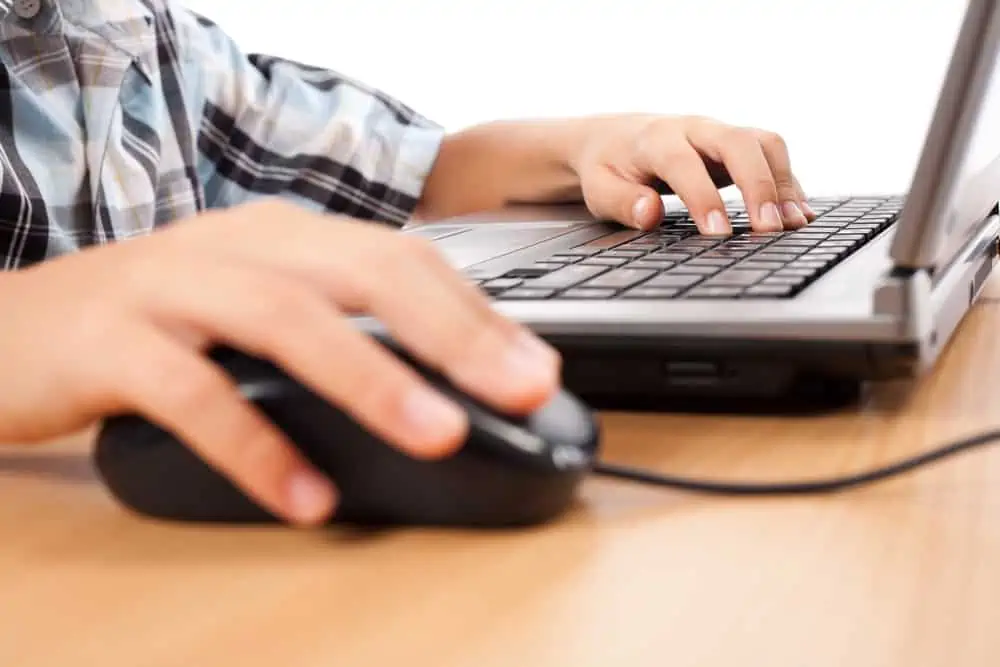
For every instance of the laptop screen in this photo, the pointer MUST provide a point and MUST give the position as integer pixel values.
(977, 184)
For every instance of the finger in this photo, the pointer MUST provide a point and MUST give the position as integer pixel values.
(804, 201)
(294, 325)
(776, 154)
(428, 308)
(680, 166)
(741, 154)
(611, 196)
(178, 389)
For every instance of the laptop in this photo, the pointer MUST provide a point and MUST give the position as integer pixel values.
(874, 289)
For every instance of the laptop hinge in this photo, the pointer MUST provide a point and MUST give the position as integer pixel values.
(903, 296)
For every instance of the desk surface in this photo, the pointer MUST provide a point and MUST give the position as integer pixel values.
(904, 573)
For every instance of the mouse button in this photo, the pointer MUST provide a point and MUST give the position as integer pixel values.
(564, 420)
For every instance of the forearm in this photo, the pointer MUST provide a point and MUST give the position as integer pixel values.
(490, 166)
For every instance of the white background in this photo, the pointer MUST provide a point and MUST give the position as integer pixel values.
(849, 83)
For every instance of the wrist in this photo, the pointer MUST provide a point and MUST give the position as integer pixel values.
(501, 163)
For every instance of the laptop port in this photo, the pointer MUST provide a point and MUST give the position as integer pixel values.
(691, 373)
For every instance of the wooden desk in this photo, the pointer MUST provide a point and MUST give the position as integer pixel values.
(905, 573)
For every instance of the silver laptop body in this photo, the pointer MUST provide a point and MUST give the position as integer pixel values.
(885, 310)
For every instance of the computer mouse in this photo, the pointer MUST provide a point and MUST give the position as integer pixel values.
(510, 471)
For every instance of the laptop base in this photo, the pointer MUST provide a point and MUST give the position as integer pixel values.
(727, 377)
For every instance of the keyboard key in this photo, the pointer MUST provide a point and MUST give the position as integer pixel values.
(694, 270)
(655, 265)
(672, 280)
(500, 284)
(587, 293)
(529, 272)
(611, 240)
(774, 291)
(754, 263)
(630, 254)
(526, 293)
(790, 272)
(710, 261)
(726, 253)
(567, 259)
(603, 261)
(668, 256)
(568, 276)
(737, 277)
(783, 257)
(708, 292)
(620, 279)
(652, 292)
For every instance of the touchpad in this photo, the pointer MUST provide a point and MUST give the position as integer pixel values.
(471, 245)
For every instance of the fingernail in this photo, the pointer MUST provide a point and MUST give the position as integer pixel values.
(770, 217)
(715, 223)
(807, 209)
(792, 213)
(432, 417)
(642, 212)
(311, 496)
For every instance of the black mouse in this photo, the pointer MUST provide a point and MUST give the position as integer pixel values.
(511, 471)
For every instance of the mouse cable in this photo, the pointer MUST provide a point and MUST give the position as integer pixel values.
(800, 487)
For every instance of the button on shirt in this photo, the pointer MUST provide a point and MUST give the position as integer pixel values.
(120, 116)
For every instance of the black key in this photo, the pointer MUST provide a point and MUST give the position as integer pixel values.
(793, 244)
(528, 272)
(725, 253)
(707, 292)
(757, 264)
(643, 244)
(837, 244)
(671, 280)
(500, 284)
(603, 261)
(630, 254)
(809, 236)
(701, 260)
(668, 256)
(790, 272)
(826, 257)
(693, 270)
(655, 265)
(769, 290)
(795, 281)
(611, 240)
(526, 293)
(587, 293)
(737, 277)
(768, 256)
(620, 278)
(806, 264)
(568, 276)
(652, 292)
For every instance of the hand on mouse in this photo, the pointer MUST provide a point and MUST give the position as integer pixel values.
(124, 328)
(619, 165)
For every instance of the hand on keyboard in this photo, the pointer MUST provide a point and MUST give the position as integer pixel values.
(625, 162)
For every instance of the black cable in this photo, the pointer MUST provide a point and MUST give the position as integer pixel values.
(795, 488)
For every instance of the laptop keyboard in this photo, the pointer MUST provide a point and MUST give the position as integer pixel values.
(675, 262)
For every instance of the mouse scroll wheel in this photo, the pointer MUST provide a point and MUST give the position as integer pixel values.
(511, 433)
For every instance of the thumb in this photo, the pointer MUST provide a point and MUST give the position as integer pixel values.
(609, 196)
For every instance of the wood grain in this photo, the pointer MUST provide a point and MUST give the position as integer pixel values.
(904, 573)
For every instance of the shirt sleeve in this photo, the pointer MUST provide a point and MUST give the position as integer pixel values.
(274, 127)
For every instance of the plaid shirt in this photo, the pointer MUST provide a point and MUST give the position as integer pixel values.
(119, 116)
